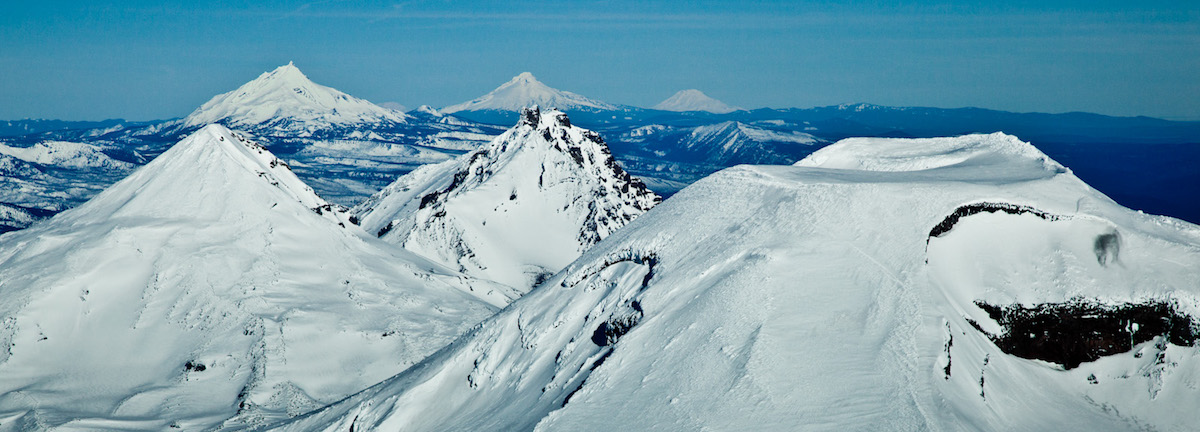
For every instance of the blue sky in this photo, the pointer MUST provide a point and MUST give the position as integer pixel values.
(158, 59)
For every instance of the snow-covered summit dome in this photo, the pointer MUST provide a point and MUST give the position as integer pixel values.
(982, 155)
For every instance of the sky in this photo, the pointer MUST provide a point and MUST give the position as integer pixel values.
(143, 60)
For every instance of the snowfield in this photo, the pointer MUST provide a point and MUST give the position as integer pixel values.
(211, 287)
(853, 291)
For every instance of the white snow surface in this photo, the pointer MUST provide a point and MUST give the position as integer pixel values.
(524, 91)
(288, 102)
(65, 154)
(813, 297)
(695, 100)
(211, 286)
(516, 210)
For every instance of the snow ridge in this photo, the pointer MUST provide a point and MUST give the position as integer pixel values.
(525, 90)
(695, 100)
(516, 210)
(286, 102)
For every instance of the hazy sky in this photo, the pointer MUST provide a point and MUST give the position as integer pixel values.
(88, 60)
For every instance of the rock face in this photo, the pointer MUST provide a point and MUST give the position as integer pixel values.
(898, 277)
(211, 283)
(515, 211)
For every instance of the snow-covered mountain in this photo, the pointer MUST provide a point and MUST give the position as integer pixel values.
(39, 180)
(695, 100)
(670, 157)
(65, 154)
(211, 285)
(285, 102)
(515, 211)
(965, 283)
(525, 90)
(15, 217)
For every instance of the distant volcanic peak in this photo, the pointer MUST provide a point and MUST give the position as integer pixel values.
(285, 98)
(694, 100)
(524, 90)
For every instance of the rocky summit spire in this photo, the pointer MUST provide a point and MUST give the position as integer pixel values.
(516, 210)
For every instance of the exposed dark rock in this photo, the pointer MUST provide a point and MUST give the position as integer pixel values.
(194, 366)
(386, 229)
(1075, 332)
(948, 222)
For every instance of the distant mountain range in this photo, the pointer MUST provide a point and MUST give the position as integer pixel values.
(349, 148)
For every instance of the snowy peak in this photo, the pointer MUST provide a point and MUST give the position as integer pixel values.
(525, 90)
(211, 275)
(518, 209)
(212, 172)
(694, 100)
(288, 102)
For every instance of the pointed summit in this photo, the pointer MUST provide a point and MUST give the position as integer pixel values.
(694, 100)
(180, 181)
(285, 102)
(518, 209)
(525, 90)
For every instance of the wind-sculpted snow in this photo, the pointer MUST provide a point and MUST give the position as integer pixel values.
(813, 297)
(515, 211)
(211, 287)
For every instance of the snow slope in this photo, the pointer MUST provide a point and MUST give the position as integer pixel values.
(516, 210)
(525, 90)
(832, 295)
(211, 284)
(287, 103)
(695, 100)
